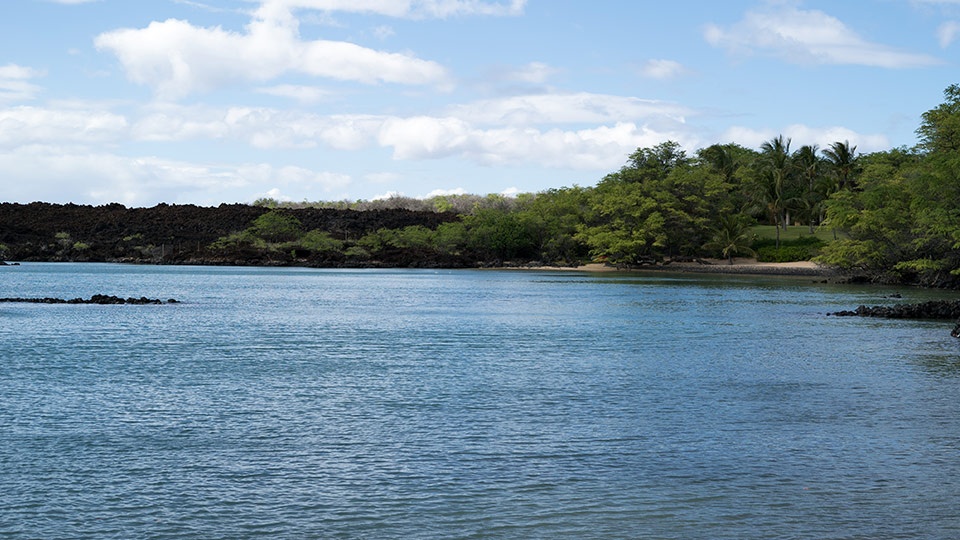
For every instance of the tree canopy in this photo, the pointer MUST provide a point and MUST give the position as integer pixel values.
(893, 215)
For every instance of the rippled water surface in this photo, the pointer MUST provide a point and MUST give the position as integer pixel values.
(293, 403)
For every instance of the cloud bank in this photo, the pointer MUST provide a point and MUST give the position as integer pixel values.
(808, 37)
(176, 58)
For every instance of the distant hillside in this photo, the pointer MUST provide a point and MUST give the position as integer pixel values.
(168, 233)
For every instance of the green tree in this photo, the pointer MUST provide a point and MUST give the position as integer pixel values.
(722, 159)
(552, 218)
(731, 236)
(809, 168)
(654, 163)
(774, 180)
(276, 226)
(495, 233)
(450, 239)
(626, 225)
(842, 163)
(321, 242)
(939, 129)
(877, 218)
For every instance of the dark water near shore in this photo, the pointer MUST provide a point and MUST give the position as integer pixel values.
(294, 403)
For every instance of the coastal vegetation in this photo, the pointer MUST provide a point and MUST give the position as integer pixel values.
(890, 216)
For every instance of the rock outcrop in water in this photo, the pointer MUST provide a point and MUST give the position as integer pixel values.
(101, 299)
(933, 310)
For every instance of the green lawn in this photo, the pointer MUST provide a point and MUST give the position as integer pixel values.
(792, 233)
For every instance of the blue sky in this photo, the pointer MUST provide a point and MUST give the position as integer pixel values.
(211, 101)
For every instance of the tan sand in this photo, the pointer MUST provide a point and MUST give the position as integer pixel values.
(716, 266)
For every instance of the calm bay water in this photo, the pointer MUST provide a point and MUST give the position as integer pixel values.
(296, 403)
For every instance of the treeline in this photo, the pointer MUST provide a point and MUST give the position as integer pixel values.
(663, 204)
(890, 216)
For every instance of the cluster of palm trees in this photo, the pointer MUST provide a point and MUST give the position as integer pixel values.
(802, 181)
(779, 185)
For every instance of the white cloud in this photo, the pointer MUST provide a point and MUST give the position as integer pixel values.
(383, 32)
(305, 179)
(15, 85)
(29, 125)
(509, 130)
(662, 69)
(598, 148)
(259, 127)
(432, 194)
(300, 93)
(808, 37)
(558, 108)
(533, 73)
(444, 193)
(407, 8)
(947, 33)
(387, 195)
(51, 173)
(176, 58)
(274, 194)
(422, 137)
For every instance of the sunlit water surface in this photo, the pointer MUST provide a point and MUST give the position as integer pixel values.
(296, 403)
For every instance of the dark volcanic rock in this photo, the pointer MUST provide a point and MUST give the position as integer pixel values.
(169, 234)
(936, 309)
(101, 299)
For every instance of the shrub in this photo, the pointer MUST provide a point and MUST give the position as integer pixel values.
(801, 249)
(320, 242)
(275, 226)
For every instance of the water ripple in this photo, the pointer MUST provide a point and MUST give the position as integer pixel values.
(415, 404)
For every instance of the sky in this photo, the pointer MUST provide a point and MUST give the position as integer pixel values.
(222, 101)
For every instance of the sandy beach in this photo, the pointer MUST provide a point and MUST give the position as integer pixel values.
(716, 266)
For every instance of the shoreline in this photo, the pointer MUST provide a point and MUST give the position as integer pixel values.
(740, 266)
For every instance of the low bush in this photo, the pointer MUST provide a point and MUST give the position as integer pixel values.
(801, 249)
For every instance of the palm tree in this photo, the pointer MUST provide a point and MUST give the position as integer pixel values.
(777, 174)
(731, 237)
(810, 168)
(842, 159)
(722, 160)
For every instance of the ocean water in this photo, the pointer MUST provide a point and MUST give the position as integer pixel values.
(300, 403)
